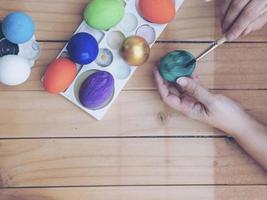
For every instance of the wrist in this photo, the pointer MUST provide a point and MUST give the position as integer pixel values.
(247, 127)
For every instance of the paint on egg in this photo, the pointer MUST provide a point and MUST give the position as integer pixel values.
(83, 48)
(104, 58)
(97, 90)
(8, 48)
(79, 81)
(157, 11)
(177, 64)
(59, 75)
(135, 50)
(18, 27)
(103, 14)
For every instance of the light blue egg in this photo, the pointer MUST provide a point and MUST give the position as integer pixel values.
(18, 27)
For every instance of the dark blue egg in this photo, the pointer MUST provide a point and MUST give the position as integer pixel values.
(83, 48)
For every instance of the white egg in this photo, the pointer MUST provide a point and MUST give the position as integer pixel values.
(14, 70)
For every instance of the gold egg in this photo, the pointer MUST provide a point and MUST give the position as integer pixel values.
(135, 50)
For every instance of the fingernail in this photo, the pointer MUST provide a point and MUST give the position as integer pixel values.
(182, 82)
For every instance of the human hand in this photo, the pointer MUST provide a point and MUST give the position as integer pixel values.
(197, 103)
(240, 17)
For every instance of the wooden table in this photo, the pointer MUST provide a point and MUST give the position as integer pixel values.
(50, 150)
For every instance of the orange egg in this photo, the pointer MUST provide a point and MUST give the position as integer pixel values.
(157, 11)
(59, 75)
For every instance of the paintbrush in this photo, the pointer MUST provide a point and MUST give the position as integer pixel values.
(212, 47)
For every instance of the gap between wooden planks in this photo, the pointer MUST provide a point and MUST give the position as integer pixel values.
(194, 22)
(232, 66)
(197, 20)
(134, 113)
(133, 193)
(114, 161)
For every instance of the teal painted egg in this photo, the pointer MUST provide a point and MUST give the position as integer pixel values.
(177, 64)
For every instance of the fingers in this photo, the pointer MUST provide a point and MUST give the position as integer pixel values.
(184, 103)
(224, 8)
(195, 77)
(251, 11)
(257, 24)
(163, 88)
(234, 10)
(196, 91)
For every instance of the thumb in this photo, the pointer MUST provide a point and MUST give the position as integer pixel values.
(192, 88)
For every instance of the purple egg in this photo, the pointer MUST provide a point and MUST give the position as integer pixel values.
(97, 90)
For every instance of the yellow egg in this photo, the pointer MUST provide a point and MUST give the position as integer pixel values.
(135, 50)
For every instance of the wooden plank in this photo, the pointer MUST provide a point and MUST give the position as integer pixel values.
(158, 161)
(195, 21)
(135, 113)
(232, 66)
(148, 193)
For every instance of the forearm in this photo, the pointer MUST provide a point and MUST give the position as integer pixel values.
(252, 137)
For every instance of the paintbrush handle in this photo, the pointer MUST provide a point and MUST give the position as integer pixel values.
(214, 45)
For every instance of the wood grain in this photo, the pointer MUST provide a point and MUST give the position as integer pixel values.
(141, 141)
(225, 68)
(197, 20)
(158, 161)
(148, 193)
(135, 113)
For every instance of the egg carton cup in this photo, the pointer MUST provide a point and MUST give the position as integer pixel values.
(111, 40)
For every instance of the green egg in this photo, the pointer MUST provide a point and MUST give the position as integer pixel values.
(177, 64)
(104, 14)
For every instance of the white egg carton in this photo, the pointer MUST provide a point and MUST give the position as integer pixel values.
(120, 70)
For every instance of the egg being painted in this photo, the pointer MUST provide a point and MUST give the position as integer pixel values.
(97, 90)
(103, 14)
(59, 75)
(18, 27)
(14, 70)
(177, 64)
(157, 11)
(83, 48)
